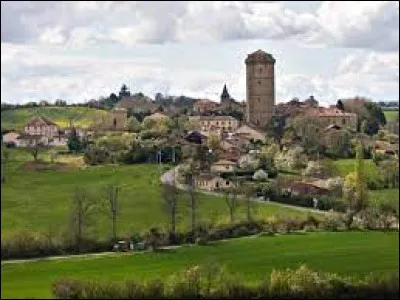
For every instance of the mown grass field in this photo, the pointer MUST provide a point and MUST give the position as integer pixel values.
(83, 116)
(38, 201)
(390, 114)
(353, 254)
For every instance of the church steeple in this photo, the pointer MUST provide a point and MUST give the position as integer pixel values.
(225, 95)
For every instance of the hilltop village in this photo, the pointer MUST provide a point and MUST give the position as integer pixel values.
(230, 136)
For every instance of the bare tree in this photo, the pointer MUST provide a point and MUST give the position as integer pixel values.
(231, 201)
(110, 205)
(170, 197)
(190, 181)
(35, 149)
(248, 192)
(81, 207)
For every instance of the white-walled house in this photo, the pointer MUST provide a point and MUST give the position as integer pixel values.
(41, 126)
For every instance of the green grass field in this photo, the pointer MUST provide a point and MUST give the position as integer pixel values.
(348, 254)
(16, 119)
(385, 196)
(38, 201)
(346, 166)
(390, 115)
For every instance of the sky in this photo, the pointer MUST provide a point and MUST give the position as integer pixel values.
(77, 51)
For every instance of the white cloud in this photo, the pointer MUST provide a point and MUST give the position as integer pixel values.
(373, 25)
(51, 49)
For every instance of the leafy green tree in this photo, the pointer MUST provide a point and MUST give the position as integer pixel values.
(355, 188)
(124, 92)
(132, 124)
(74, 142)
(361, 190)
(276, 128)
(309, 131)
(339, 105)
(338, 143)
(389, 170)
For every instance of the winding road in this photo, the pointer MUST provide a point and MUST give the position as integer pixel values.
(168, 178)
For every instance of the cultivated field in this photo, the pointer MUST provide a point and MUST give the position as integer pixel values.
(38, 201)
(347, 253)
(83, 116)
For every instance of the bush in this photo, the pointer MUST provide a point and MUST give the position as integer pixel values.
(215, 282)
(332, 222)
(26, 245)
(96, 156)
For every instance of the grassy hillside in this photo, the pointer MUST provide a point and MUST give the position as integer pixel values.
(83, 116)
(390, 114)
(38, 200)
(350, 254)
(385, 196)
(346, 166)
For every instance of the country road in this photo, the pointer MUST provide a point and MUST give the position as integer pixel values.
(168, 177)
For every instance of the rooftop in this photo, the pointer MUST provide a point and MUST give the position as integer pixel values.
(224, 118)
(40, 121)
(224, 162)
(259, 56)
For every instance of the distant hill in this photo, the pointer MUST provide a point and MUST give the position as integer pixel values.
(82, 116)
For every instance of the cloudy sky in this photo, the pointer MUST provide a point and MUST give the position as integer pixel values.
(82, 50)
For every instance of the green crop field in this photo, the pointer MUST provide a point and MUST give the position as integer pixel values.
(83, 116)
(353, 254)
(390, 114)
(38, 201)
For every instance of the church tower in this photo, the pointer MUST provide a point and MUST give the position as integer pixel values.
(260, 88)
(225, 95)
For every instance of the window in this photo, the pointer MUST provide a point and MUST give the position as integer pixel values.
(260, 70)
(227, 182)
(259, 82)
(217, 123)
(344, 121)
(258, 99)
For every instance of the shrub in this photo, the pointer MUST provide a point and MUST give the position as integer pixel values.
(67, 289)
(215, 282)
(96, 156)
(332, 222)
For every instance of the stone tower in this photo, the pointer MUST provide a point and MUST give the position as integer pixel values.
(118, 117)
(260, 88)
